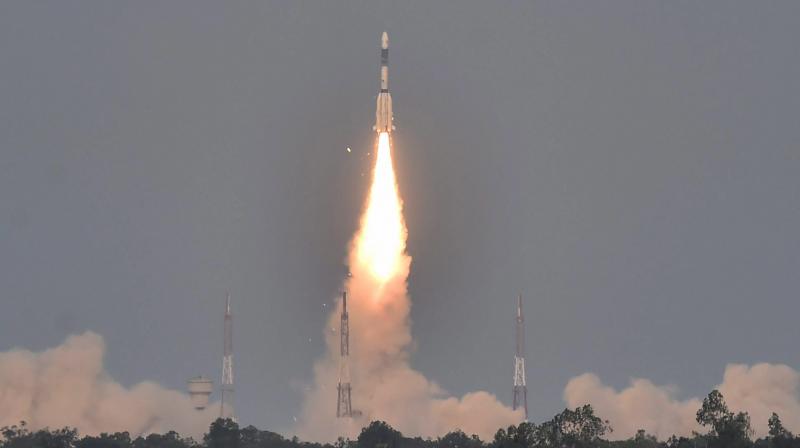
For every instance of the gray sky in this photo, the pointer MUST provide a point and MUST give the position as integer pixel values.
(632, 166)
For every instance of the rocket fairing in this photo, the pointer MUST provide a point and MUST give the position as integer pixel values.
(383, 109)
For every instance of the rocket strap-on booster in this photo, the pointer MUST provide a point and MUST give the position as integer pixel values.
(383, 110)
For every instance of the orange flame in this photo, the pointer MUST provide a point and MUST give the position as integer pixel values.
(381, 243)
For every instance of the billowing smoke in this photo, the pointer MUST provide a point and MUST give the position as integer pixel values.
(67, 386)
(385, 387)
(760, 390)
(642, 405)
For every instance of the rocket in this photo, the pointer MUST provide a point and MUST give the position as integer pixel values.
(383, 109)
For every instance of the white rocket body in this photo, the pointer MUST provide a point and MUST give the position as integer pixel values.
(383, 108)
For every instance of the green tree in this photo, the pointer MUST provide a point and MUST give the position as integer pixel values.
(15, 435)
(458, 439)
(683, 442)
(521, 436)
(728, 430)
(116, 440)
(643, 440)
(776, 428)
(169, 440)
(714, 412)
(379, 435)
(417, 442)
(575, 428)
(223, 433)
(20, 437)
(251, 437)
(342, 442)
(779, 436)
(501, 439)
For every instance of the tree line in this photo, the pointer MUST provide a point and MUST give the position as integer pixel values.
(572, 428)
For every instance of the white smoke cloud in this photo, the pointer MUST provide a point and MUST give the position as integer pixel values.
(642, 405)
(385, 386)
(760, 390)
(68, 386)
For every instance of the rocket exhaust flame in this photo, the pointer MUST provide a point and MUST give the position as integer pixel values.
(381, 243)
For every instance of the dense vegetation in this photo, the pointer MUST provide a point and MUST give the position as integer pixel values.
(572, 428)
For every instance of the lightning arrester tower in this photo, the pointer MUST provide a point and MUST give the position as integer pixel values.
(344, 408)
(520, 388)
(226, 388)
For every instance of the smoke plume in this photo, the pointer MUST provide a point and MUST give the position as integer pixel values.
(66, 386)
(385, 387)
(760, 390)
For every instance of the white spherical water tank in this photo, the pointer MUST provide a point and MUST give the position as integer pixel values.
(200, 389)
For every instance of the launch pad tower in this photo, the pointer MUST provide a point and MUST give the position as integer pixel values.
(226, 388)
(520, 387)
(344, 407)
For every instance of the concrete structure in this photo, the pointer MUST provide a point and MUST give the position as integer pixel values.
(200, 388)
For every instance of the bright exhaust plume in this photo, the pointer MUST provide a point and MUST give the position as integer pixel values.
(382, 241)
(385, 387)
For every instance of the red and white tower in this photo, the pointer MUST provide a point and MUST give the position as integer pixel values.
(520, 387)
(226, 388)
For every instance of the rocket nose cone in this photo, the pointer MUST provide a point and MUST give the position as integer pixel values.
(384, 40)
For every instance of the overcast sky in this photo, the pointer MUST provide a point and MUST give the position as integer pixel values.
(633, 167)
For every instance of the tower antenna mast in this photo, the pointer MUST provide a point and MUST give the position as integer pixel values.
(226, 387)
(520, 387)
(344, 407)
